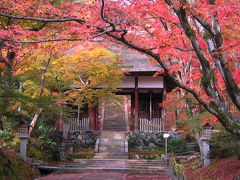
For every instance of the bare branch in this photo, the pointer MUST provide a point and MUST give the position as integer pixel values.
(43, 19)
(81, 79)
(102, 14)
(60, 39)
(44, 40)
(184, 50)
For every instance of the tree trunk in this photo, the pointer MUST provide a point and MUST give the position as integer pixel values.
(34, 120)
(42, 85)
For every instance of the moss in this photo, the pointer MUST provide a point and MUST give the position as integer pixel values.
(72, 156)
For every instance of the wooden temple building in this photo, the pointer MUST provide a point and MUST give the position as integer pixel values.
(144, 91)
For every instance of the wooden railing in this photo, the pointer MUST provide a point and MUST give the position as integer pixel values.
(154, 125)
(76, 124)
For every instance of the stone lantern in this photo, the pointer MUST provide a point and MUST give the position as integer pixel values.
(207, 130)
(23, 135)
(23, 129)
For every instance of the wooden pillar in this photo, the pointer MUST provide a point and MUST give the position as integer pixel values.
(164, 109)
(136, 104)
(97, 120)
(150, 104)
(132, 112)
(92, 118)
(102, 114)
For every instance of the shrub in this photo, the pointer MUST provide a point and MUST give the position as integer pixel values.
(13, 167)
(224, 144)
(72, 156)
(177, 146)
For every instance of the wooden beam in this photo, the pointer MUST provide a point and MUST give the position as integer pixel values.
(136, 104)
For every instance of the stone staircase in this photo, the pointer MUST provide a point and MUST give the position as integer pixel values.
(112, 142)
(114, 118)
(115, 165)
(112, 145)
(112, 155)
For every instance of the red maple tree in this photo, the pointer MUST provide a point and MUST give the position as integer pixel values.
(195, 42)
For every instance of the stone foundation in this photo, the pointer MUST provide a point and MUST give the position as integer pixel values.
(83, 139)
(149, 140)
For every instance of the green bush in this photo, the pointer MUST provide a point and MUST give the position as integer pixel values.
(177, 146)
(72, 156)
(224, 144)
(47, 140)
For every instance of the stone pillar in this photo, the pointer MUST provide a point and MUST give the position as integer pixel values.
(23, 148)
(205, 149)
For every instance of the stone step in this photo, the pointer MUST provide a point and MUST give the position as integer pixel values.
(107, 148)
(117, 120)
(61, 170)
(111, 140)
(114, 129)
(111, 154)
(113, 166)
(109, 163)
(113, 126)
(111, 151)
(115, 145)
(127, 161)
(107, 137)
(113, 122)
(110, 157)
(115, 163)
(112, 146)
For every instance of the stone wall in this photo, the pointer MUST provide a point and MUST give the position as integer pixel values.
(149, 140)
(82, 139)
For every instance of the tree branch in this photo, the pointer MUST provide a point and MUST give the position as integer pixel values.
(102, 14)
(159, 60)
(184, 50)
(42, 19)
(44, 40)
(55, 40)
(38, 28)
(205, 24)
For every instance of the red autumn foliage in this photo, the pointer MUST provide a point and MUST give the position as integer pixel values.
(223, 169)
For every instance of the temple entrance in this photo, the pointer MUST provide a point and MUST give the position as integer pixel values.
(150, 112)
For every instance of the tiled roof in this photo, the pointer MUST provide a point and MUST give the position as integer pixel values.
(133, 60)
